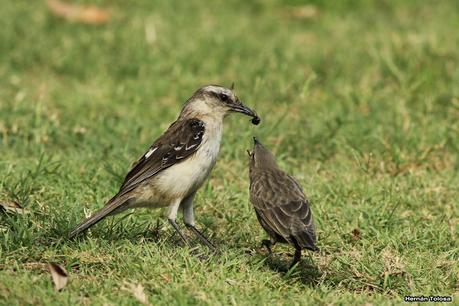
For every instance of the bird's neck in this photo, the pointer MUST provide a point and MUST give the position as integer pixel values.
(212, 119)
(213, 125)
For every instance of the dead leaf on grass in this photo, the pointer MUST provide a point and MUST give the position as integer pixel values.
(59, 275)
(12, 207)
(355, 234)
(79, 13)
(308, 11)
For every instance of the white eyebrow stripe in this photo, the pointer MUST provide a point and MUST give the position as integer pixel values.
(151, 151)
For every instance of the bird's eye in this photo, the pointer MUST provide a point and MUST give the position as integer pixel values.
(223, 97)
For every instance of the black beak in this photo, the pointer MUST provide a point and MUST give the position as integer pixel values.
(241, 108)
(255, 141)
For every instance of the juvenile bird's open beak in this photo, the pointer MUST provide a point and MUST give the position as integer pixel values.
(241, 108)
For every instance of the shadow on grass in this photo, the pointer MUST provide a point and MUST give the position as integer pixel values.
(147, 233)
(305, 272)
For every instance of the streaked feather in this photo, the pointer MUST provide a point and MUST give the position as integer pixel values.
(282, 207)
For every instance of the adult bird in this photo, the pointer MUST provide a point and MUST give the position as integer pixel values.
(178, 162)
(280, 204)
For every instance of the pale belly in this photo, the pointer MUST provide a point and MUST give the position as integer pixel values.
(181, 180)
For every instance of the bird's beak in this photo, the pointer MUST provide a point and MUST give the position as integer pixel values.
(241, 108)
(255, 141)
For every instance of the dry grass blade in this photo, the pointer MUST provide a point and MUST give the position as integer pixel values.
(59, 275)
(137, 291)
(79, 13)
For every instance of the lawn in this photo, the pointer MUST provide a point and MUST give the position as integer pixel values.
(358, 99)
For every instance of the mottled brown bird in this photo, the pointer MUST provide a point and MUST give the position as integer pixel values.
(280, 204)
(178, 162)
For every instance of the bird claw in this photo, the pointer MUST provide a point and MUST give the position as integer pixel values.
(201, 237)
(178, 231)
(296, 258)
(267, 244)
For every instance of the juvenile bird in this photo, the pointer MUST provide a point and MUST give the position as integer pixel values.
(280, 204)
(178, 162)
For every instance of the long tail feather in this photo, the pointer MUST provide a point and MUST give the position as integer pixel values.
(114, 206)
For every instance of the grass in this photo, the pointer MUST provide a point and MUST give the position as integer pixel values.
(359, 100)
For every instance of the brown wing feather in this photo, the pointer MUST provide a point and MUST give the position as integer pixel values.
(180, 141)
(267, 227)
(282, 207)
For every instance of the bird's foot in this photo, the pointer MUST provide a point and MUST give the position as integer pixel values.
(267, 244)
(296, 258)
(201, 237)
(178, 231)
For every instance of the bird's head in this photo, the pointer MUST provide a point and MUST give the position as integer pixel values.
(218, 101)
(260, 157)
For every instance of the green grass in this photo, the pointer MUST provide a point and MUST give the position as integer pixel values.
(360, 102)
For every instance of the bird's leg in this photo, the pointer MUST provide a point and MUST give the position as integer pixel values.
(188, 217)
(267, 243)
(296, 257)
(177, 229)
(172, 215)
(201, 236)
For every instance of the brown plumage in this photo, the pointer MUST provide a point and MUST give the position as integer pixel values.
(280, 203)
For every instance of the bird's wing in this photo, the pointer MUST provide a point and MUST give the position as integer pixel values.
(282, 206)
(179, 142)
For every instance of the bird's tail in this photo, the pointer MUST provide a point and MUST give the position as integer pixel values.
(116, 205)
(306, 240)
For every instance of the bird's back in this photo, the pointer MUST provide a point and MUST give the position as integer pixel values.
(282, 207)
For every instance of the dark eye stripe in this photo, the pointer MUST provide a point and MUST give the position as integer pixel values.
(223, 97)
